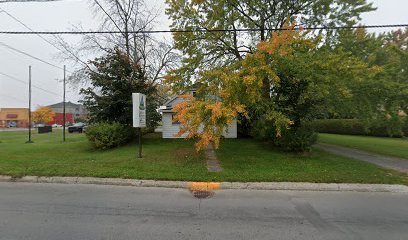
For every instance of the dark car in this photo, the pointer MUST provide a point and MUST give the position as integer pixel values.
(77, 127)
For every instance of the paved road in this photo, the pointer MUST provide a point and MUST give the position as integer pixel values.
(397, 164)
(14, 129)
(58, 211)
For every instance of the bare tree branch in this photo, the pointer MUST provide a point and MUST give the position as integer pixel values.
(154, 56)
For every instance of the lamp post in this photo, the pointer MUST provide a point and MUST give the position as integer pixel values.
(29, 105)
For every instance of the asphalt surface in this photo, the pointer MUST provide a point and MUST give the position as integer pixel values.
(63, 211)
(15, 129)
(393, 163)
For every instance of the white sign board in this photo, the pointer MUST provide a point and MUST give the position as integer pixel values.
(139, 110)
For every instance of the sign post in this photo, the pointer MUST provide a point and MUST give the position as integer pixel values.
(139, 115)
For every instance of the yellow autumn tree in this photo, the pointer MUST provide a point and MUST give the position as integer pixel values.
(278, 87)
(225, 92)
(205, 119)
(43, 115)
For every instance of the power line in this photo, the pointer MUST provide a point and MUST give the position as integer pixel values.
(22, 1)
(201, 30)
(31, 56)
(107, 14)
(17, 99)
(21, 81)
(25, 25)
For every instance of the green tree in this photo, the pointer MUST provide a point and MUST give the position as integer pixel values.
(381, 99)
(206, 50)
(303, 78)
(113, 80)
(225, 50)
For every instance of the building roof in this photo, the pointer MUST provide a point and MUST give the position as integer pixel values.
(61, 104)
(169, 105)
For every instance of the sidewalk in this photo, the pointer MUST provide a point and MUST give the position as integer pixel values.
(393, 163)
(290, 186)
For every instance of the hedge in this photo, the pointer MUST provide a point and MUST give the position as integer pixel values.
(353, 127)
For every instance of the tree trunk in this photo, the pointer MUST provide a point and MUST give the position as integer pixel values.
(266, 88)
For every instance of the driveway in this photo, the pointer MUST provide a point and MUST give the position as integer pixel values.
(397, 164)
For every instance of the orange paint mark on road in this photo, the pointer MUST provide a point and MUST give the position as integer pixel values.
(203, 186)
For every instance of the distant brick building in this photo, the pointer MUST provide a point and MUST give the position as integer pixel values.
(14, 117)
(59, 119)
(73, 112)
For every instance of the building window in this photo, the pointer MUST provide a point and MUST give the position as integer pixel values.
(172, 119)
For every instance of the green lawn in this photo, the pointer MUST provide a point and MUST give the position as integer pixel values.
(396, 147)
(242, 160)
(48, 156)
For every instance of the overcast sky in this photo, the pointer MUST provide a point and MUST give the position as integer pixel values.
(62, 15)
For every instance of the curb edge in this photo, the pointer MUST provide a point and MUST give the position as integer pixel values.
(284, 186)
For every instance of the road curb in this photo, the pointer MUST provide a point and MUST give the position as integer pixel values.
(291, 186)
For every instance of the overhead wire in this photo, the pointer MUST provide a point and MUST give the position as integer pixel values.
(40, 33)
(25, 53)
(22, 1)
(31, 56)
(40, 36)
(34, 86)
(17, 99)
(26, 26)
(202, 30)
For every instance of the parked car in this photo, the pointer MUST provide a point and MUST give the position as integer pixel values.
(39, 125)
(12, 124)
(56, 125)
(77, 127)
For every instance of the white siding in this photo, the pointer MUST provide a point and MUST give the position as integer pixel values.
(170, 129)
(231, 130)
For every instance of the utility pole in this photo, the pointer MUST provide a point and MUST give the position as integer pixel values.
(29, 105)
(64, 119)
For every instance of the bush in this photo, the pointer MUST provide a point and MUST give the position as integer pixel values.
(405, 128)
(339, 126)
(108, 135)
(393, 126)
(299, 140)
(358, 127)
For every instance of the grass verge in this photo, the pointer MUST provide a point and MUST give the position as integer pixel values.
(395, 147)
(164, 159)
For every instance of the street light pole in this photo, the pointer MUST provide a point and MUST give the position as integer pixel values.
(29, 105)
(64, 119)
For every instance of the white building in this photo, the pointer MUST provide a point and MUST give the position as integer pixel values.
(170, 128)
